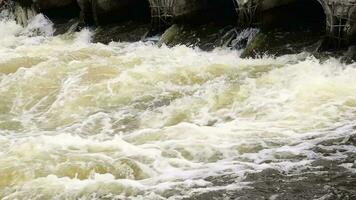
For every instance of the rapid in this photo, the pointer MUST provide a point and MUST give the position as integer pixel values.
(83, 120)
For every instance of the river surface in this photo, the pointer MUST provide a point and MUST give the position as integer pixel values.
(82, 120)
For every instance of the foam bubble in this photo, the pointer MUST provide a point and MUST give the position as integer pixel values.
(84, 120)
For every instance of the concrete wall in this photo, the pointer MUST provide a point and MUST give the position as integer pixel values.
(341, 20)
(340, 16)
(191, 11)
(93, 11)
(177, 9)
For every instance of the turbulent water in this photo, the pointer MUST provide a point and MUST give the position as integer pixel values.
(80, 120)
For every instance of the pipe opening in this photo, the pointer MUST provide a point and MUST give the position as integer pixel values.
(222, 11)
(206, 11)
(293, 15)
(113, 11)
(61, 14)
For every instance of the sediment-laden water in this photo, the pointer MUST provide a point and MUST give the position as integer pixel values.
(80, 120)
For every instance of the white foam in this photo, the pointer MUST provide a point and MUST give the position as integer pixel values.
(39, 25)
(134, 119)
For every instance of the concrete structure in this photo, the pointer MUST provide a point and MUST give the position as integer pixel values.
(340, 20)
(107, 11)
(163, 12)
(340, 16)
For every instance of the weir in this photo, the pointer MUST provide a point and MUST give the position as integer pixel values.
(339, 22)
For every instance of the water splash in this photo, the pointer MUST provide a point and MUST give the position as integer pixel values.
(39, 25)
(131, 120)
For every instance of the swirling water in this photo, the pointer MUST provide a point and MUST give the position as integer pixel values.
(80, 120)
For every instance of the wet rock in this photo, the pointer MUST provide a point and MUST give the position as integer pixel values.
(255, 46)
(169, 35)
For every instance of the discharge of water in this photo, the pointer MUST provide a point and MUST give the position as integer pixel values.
(82, 120)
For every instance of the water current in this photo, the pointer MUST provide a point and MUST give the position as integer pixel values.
(83, 120)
